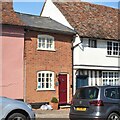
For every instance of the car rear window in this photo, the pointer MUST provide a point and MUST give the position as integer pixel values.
(87, 93)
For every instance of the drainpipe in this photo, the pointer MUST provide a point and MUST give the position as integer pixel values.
(24, 80)
(24, 83)
(72, 48)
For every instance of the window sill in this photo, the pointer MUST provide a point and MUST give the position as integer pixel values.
(45, 89)
(39, 49)
(112, 56)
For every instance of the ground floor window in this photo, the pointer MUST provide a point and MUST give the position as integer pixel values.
(45, 80)
(110, 77)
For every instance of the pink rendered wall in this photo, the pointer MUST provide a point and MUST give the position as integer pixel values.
(12, 62)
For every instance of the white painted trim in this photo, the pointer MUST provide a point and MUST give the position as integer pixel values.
(93, 77)
(45, 89)
(95, 68)
(98, 80)
(50, 10)
(74, 81)
(89, 78)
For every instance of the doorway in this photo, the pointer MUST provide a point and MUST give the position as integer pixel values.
(81, 80)
(62, 88)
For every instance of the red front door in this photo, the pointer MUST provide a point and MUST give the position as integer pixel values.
(62, 88)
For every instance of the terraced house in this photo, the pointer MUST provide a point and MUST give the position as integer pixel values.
(96, 48)
(48, 59)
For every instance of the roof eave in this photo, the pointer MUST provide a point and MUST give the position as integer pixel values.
(100, 38)
(49, 30)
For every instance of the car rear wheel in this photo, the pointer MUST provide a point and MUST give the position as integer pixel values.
(17, 116)
(113, 116)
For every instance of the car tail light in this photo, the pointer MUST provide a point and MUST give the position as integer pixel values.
(97, 103)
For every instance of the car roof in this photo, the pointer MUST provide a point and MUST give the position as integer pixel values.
(105, 86)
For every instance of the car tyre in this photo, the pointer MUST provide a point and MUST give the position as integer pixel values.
(17, 116)
(113, 116)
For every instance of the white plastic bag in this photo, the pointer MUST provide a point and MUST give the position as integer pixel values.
(43, 107)
(49, 107)
(46, 107)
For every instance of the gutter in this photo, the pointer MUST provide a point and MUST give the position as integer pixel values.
(49, 30)
(24, 72)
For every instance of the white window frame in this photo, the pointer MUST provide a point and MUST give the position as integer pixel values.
(43, 45)
(112, 49)
(92, 43)
(107, 80)
(45, 78)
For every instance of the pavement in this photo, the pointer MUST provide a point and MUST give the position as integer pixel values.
(52, 114)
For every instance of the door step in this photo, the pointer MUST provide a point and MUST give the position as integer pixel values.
(64, 107)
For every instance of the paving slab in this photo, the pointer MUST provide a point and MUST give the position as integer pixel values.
(52, 114)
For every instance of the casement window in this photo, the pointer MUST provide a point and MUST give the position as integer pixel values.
(113, 48)
(45, 42)
(110, 78)
(45, 80)
(92, 43)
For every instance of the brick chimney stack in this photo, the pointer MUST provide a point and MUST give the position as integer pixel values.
(8, 14)
(7, 5)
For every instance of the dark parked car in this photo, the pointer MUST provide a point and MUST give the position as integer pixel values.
(96, 103)
(15, 110)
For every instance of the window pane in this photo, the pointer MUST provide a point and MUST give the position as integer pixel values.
(47, 80)
(39, 79)
(51, 75)
(43, 85)
(42, 74)
(39, 74)
(43, 80)
(39, 85)
(47, 85)
(47, 75)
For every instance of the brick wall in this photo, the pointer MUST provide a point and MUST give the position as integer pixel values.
(56, 61)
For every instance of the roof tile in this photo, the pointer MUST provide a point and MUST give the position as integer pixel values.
(91, 20)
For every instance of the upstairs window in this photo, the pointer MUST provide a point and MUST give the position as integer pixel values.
(45, 42)
(113, 48)
(92, 43)
(45, 80)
